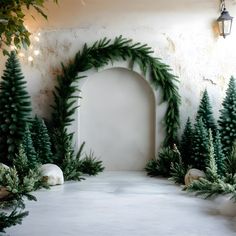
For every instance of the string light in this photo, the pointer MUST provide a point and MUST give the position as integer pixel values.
(12, 47)
(21, 54)
(30, 58)
(32, 51)
(36, 52)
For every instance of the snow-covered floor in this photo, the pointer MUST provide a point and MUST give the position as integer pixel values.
(124, 204)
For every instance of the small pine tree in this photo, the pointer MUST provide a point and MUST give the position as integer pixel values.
(227, 120)
(21, 162)
(206, 114)
(41, 141)
(178, 169)
(211, 169)
(29, 148)
(186, 143)
(219, 155)
(15, 109)
(200, 149)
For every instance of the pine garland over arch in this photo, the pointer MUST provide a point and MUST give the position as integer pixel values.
(101, 53)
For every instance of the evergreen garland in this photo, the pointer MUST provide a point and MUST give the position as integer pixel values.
(15, 109)
(98, 55)
(186, 143)
(41, 141)
(227, 120)
(206, 114)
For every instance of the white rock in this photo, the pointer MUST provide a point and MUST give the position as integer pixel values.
(52, 174)
(4, 166)
(225, 205)
(193, 174)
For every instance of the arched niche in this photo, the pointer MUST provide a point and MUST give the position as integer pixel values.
(119, 118)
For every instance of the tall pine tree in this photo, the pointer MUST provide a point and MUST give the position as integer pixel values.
(219, 155)
(227, 120)
(15, 109)
(29, 148)
(205, 112)
(186, 143)
(41, 141)
(200, 150)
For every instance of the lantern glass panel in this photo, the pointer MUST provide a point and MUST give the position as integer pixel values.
(227, 26)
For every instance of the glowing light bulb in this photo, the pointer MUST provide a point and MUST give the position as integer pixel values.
(36, 39)
(13, 47)
(30, 59)
(36, 52)
(21, 54)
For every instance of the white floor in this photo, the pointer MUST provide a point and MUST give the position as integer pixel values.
(124, 204)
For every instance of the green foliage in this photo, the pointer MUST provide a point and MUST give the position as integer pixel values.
(27, 178)
(178, 169)
(219, 155)
(16, 186)
(200, 151)
(91, 165)
(213, 184)
(186, 143)
(152, 167)
(230, 162)
(12, 28)
(71, 165)
(15, 109)
(207, 188)
(29, 148)
(227, 120)
(162, 164)
(10, 219)
(41, 141)
(206, 114)
(98, 55)
(211, 169)
(62, 141)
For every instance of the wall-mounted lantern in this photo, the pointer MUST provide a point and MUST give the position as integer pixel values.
(224, 21)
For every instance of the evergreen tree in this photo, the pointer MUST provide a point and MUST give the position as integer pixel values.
(211, 169)
(205, 112)
(212, 184)
(200, 150)
(227, 120)
(41, 141)
(29, 148)
(219, 155)
(15, 109)
(186, 143)
(230, 163)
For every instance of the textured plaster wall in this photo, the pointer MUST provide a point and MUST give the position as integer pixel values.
(182, 33)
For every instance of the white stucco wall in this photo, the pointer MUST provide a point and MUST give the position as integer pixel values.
(182, 33)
